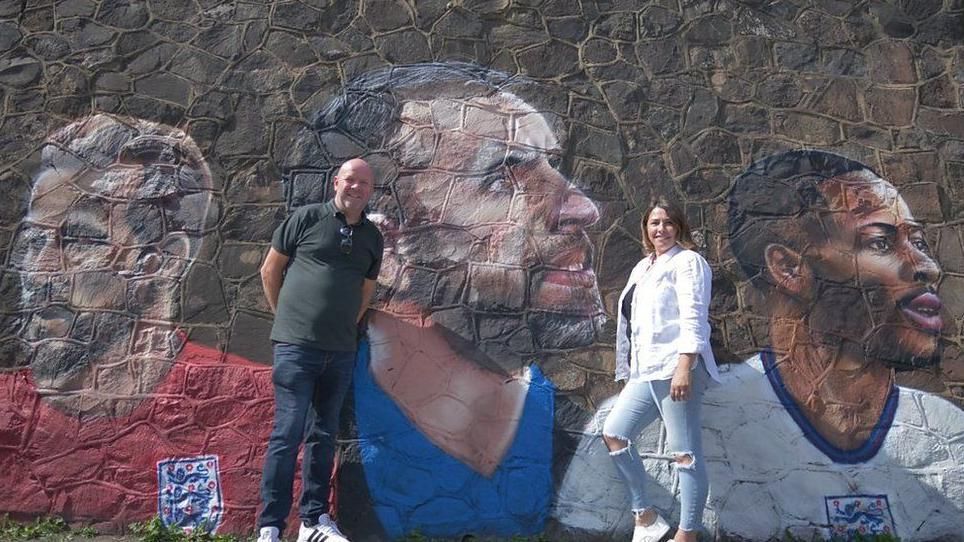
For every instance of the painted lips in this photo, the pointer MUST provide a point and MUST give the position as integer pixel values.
(569, 286)
(924, 310)
(571, 269)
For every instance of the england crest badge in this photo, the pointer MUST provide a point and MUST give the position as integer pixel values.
(189, 493)
(850, 516)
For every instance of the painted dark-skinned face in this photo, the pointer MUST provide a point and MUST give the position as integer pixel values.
(877, 273)
(488, 191)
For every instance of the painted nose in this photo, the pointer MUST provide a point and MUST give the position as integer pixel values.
(926, 270)
(577, 211)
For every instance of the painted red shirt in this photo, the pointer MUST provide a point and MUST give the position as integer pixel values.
(105, 469)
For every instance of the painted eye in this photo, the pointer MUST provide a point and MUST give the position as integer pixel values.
(880, 244)
(921, 244)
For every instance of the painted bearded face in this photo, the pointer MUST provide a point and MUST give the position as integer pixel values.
(101, 254)
(878, 274)
(512, 263)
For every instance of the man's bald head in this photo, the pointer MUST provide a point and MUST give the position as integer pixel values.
(356, 166)
(354, 183)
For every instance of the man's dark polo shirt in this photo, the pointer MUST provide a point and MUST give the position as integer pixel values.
(321, 293)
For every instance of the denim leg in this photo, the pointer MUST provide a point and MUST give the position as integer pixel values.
(635, 408)
(318, 461)
(293, 374)
(683, 435)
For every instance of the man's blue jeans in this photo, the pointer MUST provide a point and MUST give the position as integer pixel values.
(309, 389)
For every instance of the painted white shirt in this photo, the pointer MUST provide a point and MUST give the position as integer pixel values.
(669, 316)
(767, 478)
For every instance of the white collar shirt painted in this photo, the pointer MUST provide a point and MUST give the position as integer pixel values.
(669, 316)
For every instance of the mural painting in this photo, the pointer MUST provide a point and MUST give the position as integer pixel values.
(851, 286)
(149, 149)
(487, 266)
(111, 414)
(812, 436)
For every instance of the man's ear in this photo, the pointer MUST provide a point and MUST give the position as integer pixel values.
(787, 270)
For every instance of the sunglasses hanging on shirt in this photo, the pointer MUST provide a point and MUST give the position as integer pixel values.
(346, 232)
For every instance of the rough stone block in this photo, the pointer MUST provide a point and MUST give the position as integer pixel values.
(552, 60)
(939, 92)
(839, 100)
(661, 56)
(890, 106)
(906, 168)
(710, 30)
(924, 199)
(891, 62)
(940, 122)
(809, 129)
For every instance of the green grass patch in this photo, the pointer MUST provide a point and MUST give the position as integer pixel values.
(419, 537)
(49, 528)
(155, 531)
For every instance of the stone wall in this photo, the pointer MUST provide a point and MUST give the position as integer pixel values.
(149, 149)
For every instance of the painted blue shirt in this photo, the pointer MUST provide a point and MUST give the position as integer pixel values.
(415, 486)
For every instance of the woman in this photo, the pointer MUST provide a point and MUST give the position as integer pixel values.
(663, 351)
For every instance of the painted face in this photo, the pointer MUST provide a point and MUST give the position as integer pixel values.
(509, 228)
(353, 188)
(100, 255)
(661, 230)
(879, 273)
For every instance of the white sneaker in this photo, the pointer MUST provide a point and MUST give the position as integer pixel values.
(324, 531)
(268, 534)
(654, 532)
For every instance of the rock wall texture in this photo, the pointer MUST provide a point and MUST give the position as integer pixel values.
(148, 150)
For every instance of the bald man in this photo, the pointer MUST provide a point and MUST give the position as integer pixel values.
(319, 277)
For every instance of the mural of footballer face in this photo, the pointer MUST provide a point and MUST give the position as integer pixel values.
(877, 247)
(512, 226)
(115, 216)
(850, 279)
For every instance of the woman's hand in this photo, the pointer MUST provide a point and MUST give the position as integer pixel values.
(679, 387)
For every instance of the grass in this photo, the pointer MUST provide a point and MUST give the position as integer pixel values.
(419, 537)
(49, 528)
(789, 537)
(54, 529)
(155, 531)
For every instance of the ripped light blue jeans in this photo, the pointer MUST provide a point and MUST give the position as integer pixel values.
(637, 406)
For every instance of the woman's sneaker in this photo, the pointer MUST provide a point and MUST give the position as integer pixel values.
(268, 534)
(323, 531)
(654, 532)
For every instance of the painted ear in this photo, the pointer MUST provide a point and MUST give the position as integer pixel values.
(787, 269)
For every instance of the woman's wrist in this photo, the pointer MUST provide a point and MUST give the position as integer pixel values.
(686, 361)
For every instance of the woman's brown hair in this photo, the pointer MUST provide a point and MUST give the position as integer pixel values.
(683, 236)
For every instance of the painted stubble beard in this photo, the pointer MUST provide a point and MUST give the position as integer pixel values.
(563, 291)
(525, 287)
(99, 304)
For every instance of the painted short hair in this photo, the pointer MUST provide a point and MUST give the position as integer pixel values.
(779, 200)
(365, 116)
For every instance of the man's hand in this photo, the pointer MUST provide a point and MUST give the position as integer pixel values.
(367, 291)
(272, 275)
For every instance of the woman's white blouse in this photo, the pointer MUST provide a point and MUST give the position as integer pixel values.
(669, 316)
